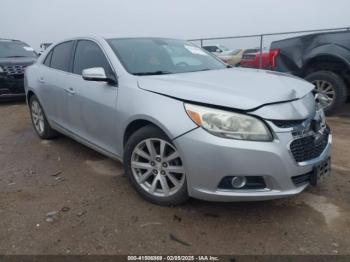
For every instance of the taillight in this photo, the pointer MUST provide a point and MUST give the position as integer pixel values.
(273, 54)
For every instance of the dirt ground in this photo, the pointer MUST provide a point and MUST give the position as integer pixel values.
(59, 197)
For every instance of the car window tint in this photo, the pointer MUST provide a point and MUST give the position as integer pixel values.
(61, 55)
(47, 60)
(88, 55)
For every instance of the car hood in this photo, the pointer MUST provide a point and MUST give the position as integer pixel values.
(17, 61)
(244, 89)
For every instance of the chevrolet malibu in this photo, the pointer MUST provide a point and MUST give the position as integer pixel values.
(183, 123)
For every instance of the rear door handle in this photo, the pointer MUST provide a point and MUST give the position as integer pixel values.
(70, 91)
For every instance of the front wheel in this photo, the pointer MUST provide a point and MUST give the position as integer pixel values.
(155, 168)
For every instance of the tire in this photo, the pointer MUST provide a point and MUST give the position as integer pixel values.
(337, 84)
(39, 120)
(150, 173)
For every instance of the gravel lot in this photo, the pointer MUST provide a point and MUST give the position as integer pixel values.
(59, 197)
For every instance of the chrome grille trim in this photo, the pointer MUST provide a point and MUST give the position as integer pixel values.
(14, 69)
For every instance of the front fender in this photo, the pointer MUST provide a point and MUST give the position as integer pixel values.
(167, 113)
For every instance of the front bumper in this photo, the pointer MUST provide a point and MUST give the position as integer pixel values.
(11, 87)
(208, 159)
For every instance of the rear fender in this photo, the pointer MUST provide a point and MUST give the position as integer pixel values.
(336, 52)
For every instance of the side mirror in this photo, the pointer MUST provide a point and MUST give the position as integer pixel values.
(218, 50)
(97, 74)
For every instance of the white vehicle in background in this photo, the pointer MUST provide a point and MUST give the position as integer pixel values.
(229, 56)
(220, 51)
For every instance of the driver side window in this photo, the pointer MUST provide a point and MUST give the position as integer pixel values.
(88, 55)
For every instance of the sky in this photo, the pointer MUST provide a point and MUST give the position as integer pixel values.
(38, 21)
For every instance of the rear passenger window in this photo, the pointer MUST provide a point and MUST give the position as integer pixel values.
(88, 55)
(61, 55)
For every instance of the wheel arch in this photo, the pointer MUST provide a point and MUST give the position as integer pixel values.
(30, 93)
(326, 62)
(139, 123)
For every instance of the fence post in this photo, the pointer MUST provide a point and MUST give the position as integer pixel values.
(201, 42)
(261, 51)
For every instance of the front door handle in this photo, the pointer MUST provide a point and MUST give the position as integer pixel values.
(70, 91)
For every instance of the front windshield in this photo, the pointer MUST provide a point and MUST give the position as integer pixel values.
(10, 49)
(147, 56)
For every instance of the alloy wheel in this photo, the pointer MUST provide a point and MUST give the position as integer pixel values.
(326, 89)
(157, 167)
(38, 117)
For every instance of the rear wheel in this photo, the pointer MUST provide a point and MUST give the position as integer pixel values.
(39, 120)
(155, 168)
(332, 87)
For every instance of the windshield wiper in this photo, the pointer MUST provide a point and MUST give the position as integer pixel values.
(205, 69)
(153, 73)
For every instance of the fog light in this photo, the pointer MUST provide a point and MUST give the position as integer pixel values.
(238, 181)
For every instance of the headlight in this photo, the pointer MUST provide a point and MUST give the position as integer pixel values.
(1, 70)
(228, 124)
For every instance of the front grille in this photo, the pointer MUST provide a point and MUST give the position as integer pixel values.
(307, 148)
(302, 179)
(287, 123)
(14, 69)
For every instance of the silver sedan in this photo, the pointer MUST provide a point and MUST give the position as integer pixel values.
(184, 123)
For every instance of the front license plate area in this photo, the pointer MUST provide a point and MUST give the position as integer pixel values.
(321, 171)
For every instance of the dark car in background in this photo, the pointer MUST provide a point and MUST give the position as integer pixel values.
(15, 56)
(323, 59)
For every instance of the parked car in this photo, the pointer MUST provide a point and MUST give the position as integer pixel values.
(220, 51)
(231, 57)
(217, 49)
(323, 59)
(236, 56)
(181, 121)
(15, 56)
(252, 60)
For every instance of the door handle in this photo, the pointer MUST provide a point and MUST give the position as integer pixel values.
(70, 91)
